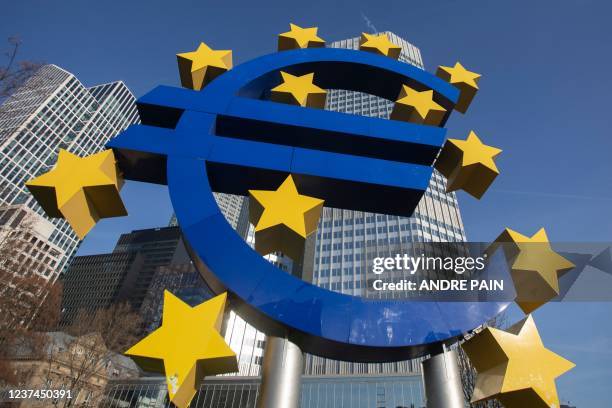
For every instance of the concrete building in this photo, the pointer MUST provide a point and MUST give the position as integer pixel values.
(78, 367)
(158, 247)
(96, 281)
(26, 232)
(52, 111)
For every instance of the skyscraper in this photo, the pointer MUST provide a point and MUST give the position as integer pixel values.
(346, 240)
(95, 281)
(52, 111)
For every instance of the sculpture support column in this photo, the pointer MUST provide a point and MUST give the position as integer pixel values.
(442, 381)
(281, 378)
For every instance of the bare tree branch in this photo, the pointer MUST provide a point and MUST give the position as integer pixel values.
(14, 73)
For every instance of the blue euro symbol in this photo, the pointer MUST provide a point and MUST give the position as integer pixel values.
(229, 138)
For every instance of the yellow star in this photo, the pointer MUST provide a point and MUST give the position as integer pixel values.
(283, 219)
(187, 347)
(80, 190)
(466, 81)
(198, 68)
(379, 44)
(468, 165)
(299, 37)
(535, 267)
(299, 90)
(514, 367)
(417, 107)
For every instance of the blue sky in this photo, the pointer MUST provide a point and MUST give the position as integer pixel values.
(543, 100)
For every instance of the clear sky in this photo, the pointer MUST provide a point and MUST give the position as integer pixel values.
(543, 100)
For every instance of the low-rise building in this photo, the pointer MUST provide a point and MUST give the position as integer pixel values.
(78, 367)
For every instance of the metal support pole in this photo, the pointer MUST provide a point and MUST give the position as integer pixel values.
(442, 380)
(283, 363)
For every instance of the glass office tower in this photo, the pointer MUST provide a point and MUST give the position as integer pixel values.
(346, 240)
(51, 111)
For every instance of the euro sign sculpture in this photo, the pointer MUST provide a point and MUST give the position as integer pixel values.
(231, 138)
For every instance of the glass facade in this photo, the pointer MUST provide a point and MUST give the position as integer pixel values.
(53, 111)
(183, 280)
(346, 241)
(241, 392)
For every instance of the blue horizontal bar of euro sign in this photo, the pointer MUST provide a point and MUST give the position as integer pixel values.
(164, 105)
(360, 183)
(319, 129)
(237, 165)
(351, 182)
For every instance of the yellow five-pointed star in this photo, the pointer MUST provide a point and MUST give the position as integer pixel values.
(80, 190)
(299, 37)
(417, 107)
(466, 81)
(379, 44)
(299, 90)
(283, 219)
(187, 347)
(535, 267)
(514, 367)
(468, 165)
(199, 67)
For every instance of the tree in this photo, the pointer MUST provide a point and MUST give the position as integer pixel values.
(27, 298)
(14, 73)
(16, 337)
(88, 356)
(29, 303)
(118, 324)
(79, 361)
